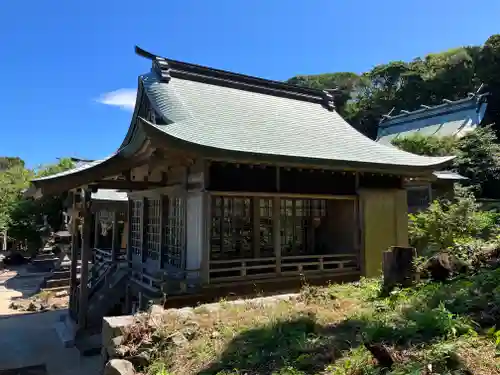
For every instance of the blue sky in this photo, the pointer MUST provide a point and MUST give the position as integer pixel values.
(62, 61)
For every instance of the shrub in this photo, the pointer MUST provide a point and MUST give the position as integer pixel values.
(449, 224)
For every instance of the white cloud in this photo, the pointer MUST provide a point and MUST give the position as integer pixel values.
(123, 98)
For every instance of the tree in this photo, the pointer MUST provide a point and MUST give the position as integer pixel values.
(24, 217)
(13, 181)
(477, 156)
(478, 159)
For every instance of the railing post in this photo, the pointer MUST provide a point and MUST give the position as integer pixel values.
(115, 245)
(86, 252)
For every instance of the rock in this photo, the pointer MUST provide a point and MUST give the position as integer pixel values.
(440, 267)
(119, 367)
(156, 310)
(190, 330)
(381, 354)
(177, 339)
(112, 326)
(140, 360)
(14, 306)
(215, 335)
(32, 307)
(115, 349)
(62, 293)
(55, 306)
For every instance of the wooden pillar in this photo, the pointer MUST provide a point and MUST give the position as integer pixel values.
(256, 226)
(96, 230)
(116, 242)
(86, 253)
(144, 223)
(128, 300)
(207, 238)
(163, 228)
(73, 271)
(129, 230)
(277, 233)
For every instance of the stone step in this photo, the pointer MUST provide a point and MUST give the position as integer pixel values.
(46, 256)
(66, 330)
(58, 283)
(61, 274)
(56, 289)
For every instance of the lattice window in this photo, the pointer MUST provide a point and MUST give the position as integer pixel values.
(153, 229)
(175, 232)
(297, 224)
(231, 228)
(266, 226)
(136, 227)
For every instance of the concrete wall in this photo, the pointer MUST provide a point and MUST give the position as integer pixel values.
(385, 224)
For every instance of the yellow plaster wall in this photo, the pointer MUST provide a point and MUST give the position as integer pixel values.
(385, 224)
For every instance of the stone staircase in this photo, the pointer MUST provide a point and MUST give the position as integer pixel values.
(107, 291)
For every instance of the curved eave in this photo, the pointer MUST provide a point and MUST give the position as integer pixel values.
(161, 138)
(92, 172)
(76, 177)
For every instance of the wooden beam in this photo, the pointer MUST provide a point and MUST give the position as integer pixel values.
(126, 185)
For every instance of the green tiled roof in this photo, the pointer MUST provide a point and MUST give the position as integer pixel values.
(452, 118)
(230, 112)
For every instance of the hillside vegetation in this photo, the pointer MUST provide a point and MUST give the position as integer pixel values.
(363, 98)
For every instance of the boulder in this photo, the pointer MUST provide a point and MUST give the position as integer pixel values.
(119, 367)
(62, 293)
(381, 353)
(177, 339)
(443, 265)
(115, 349)
(140, 360)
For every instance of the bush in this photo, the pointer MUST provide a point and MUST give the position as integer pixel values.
(452, 224)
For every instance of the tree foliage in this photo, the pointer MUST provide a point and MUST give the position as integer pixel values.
(399, 85)
(477, 156)
(447, 223)
(22, 217)
(427, 145)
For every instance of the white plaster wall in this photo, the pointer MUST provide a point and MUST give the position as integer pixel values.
(195, 233)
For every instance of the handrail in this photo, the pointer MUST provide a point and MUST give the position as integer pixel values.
(236, 269)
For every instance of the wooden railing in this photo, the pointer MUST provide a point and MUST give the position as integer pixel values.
(106, 255)
(257, 268)
(166, 281)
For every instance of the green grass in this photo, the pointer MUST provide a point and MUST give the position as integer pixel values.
(432, 329)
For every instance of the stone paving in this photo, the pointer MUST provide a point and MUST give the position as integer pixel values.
(30, 339)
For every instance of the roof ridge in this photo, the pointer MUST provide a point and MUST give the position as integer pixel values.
(167, 68)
